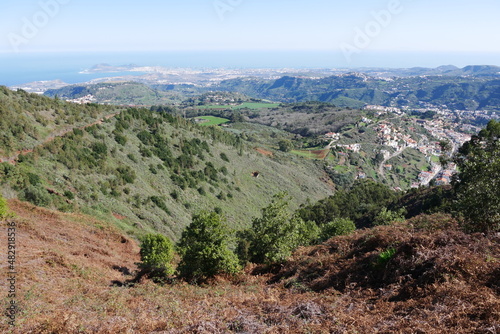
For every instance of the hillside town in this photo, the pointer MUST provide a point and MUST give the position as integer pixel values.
(394, 140)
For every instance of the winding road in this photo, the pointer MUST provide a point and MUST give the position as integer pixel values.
(381, 170)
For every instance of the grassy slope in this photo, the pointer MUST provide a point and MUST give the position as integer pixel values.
(60, 166)
(117, 93)
(438, 281)
(249, 105)
(212, 120)
(26, 120)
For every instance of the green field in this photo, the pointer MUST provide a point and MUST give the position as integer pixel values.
(305, 154)
(311, 154)
(212, 120)
(257, 105)
(249, 105)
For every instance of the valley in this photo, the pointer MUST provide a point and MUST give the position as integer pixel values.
(316, 213)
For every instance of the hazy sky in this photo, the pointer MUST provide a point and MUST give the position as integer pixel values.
(351, 27)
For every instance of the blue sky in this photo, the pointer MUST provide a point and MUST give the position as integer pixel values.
(163, 25)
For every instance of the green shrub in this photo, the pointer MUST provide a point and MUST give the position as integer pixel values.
(387, 217)
(285, 145)
(100, 150)
(37, 196)
(68, 194)
(275, 235)
(34, 179)
(477, 190)
(204, 248)
(122, 140)
(202, 191)
(339, 226)
(4, 208)
(158, 201)
(224, 157)
(132, 157)
(385, 257)
(157, 253)
(126, 174)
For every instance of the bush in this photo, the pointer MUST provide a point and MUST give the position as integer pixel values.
(204, 248)
(387, 217)
(126, 174)
(275, 235)
(478, 186)
(157, 253)
(285, 145)
(37, 196)
(339, 226)
(122, 140)
(69, 195)
(158, 201)
(100, 150)
(384, 257)
(365, 197)
(4, 208)
(34, 179)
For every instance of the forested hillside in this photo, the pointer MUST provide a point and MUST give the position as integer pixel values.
(140, 217)
(150, 171)
(471, 88)
(356, 90)
(27, 120)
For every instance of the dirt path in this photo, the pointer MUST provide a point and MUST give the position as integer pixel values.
(381, 170)
(12, 159)
(329, 146)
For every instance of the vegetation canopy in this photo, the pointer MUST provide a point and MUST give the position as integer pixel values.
(204, 248)
(277, 233)
(157, 253)
(478, 184)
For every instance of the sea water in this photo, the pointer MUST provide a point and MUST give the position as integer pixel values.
(20, 68)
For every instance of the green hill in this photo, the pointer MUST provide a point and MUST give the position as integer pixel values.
(117, 93)
(467, 89)
(27, 120)
(151, 171)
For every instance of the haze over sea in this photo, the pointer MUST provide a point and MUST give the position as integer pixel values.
(20, 68)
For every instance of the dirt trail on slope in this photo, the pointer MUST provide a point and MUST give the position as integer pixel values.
(381, 170)
(12, 159)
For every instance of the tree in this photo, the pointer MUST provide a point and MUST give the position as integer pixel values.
(477, 186)
(237, 117)
(204, 248)
(338, 226)
(4, 208)
(285, 145)
(446, 149)
(157, 253)
(365, 197)
(275, 235)
(387, 217)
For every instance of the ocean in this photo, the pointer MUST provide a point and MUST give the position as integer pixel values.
(17, 69)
